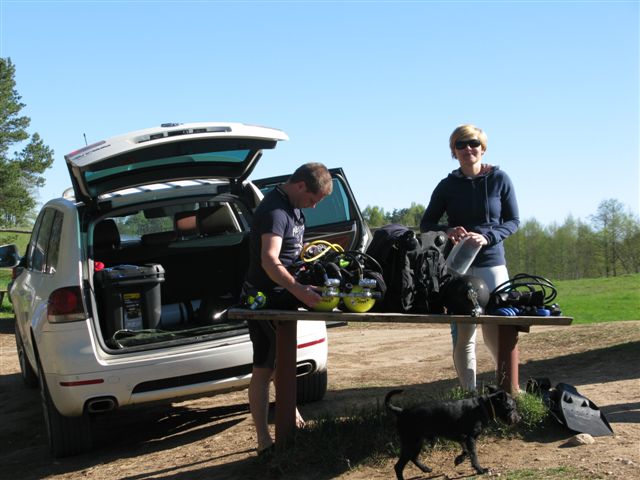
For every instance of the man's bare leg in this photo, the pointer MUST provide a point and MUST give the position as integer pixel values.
(259, 405)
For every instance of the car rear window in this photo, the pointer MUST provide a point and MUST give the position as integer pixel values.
(228, 156)
(133, 227)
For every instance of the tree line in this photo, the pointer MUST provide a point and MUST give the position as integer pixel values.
(606, 245)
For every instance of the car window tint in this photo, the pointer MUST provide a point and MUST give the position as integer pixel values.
(38, 260)
(28, 254)
(101, 170)
(132, 227)
(332, 209)
(53, 250)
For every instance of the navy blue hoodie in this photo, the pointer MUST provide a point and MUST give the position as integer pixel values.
(484, 204)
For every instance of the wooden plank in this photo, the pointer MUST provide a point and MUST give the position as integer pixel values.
(389, 317)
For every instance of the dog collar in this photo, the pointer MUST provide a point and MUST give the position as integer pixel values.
(493, 411)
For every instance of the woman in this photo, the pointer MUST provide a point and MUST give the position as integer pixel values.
(480, 202)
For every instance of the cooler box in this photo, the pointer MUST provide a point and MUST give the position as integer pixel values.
(129, 297)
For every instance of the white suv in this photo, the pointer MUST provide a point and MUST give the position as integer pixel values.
(118, 298)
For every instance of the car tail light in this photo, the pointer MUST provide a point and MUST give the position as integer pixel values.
(65, 305)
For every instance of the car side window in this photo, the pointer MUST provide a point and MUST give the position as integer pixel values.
(45, 248)
(28, 254)
(332, 209)
(39, 253)
(53, 250)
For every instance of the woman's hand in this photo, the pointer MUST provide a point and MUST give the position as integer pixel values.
(456, 234)
(476, 238)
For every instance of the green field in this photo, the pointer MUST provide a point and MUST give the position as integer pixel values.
(593, 300)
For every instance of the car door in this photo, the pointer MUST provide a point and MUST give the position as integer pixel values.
(30, 290)
(336, 219)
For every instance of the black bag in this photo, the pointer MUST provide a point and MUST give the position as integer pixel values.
(397, 250)
(431, 276)
(412, 272)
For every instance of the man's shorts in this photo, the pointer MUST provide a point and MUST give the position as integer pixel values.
(262, 332)
(263, 338)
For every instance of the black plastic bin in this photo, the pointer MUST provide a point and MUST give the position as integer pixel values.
(129, 297)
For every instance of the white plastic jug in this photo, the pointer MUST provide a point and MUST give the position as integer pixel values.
(462, 256)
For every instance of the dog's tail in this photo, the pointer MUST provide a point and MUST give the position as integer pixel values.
(388, 404)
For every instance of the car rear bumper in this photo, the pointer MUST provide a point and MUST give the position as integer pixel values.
(93, 377)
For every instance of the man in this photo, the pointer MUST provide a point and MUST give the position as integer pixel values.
(277, 233)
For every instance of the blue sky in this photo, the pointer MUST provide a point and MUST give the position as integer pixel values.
(375, 87)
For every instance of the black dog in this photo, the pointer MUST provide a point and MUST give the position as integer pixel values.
(459, 420)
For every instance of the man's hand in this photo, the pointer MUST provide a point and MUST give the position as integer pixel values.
(271, 245)
(307, 294)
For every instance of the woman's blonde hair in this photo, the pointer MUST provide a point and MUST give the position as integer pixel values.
(467, 132)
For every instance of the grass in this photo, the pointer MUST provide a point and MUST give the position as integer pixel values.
(594, 300)
(6, 311)
(21, 240)
(558, 473)
(332, 445)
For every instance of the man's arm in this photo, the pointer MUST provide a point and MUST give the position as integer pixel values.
(271, 246)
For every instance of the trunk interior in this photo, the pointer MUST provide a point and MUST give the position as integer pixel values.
(171, 285)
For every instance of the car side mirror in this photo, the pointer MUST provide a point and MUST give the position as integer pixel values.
(9, 256)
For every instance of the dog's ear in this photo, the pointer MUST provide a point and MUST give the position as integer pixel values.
(491, 389)
(501, 395)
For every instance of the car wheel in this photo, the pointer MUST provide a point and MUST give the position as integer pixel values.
(29, 376)
(312, 387)
(66, 435)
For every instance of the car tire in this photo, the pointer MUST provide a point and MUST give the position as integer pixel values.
(311, 387)
(66, 435)
(29, 375)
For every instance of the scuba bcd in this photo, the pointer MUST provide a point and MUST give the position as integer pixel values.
(351, 277)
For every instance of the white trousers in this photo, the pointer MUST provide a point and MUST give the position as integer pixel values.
(464, 335)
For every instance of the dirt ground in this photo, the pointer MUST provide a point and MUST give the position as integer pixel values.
(213, 437)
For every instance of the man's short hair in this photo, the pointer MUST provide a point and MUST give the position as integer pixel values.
(315, 176)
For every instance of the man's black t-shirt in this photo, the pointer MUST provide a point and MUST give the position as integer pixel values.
(276, 215)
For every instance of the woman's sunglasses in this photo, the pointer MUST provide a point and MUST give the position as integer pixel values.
(462, 144)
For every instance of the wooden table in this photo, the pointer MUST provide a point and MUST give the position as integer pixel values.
(286, 346)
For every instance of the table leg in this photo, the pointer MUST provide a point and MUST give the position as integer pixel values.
(286, 356)
(508, 358)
